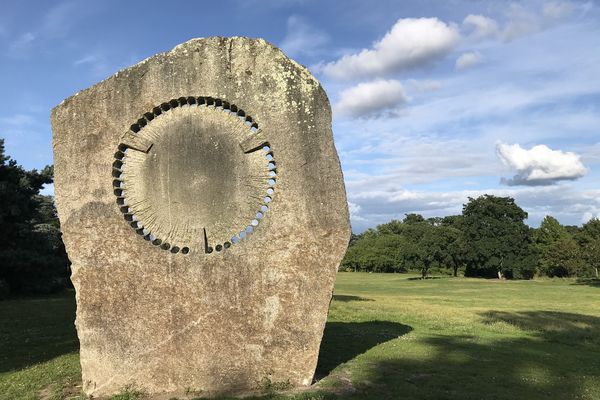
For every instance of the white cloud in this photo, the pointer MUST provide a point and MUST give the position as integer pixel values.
(481, 27)
(411, 42)
(539, 165)
(374, 98)
(302, 38)
(467, 60)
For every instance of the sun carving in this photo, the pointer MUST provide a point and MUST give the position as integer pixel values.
(194, 174)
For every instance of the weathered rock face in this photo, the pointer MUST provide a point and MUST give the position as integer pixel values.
(203, 208)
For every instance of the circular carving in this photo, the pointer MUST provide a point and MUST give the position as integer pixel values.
(194, 174)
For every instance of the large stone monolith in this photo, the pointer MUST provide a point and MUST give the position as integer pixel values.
(203, 208)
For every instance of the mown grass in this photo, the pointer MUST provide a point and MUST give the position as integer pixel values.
(387, 337)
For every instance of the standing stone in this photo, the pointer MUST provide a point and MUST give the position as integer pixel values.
(203, 209)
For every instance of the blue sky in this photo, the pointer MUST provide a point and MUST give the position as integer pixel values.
(434, 101)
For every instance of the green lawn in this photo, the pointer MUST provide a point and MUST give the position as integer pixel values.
(388, 337)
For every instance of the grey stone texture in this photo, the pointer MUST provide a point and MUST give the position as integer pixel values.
(203, 209)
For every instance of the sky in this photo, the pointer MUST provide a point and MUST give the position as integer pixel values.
(433, 101)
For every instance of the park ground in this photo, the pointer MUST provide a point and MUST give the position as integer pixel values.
(388, 336)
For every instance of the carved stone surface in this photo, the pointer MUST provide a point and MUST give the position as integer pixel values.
(203, 209)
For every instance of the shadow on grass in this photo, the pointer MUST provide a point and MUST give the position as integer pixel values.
(34, 330)
(593, 282)
(342, 341)
(555, 358)
(346, 298)
(418, 278)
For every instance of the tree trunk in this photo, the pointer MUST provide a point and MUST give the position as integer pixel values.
(499, 274)
(455, 271)
(596, 271)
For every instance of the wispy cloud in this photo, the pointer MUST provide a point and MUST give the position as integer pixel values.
(302, 38)
(468, 60)
(56, 23)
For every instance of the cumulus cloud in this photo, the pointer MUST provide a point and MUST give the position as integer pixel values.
(302, 39)
(373, 99)
(412, 42)
(481, 26)
(468, 60)
(539, 165)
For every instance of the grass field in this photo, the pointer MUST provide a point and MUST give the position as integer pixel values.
(387, 337)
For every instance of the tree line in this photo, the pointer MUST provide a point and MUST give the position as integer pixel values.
(32, 255)
(489, 239)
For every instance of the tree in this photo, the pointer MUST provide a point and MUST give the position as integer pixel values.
(438, 246)
(410, 219)
(549, 232)
(588, 239)
(497, 237)
(377, 253)
(562, 258)
(32, 256)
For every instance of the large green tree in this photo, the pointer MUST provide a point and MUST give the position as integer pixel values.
(32, 256)
(498, 240)
(588, 238)
(563, 258)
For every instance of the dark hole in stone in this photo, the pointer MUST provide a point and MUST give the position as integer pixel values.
(201, 100)
(191, 100)
(128, 217)
(226, 105)
(227, 245)
(174, 103)
(165, 246)
(165, 106)
(147, 237)
(142, 122)
(119, 155)
(122, 147)
(174, 249)
(233, 108)
(116, 173)
(185, 250)
(135, 128)
(183, 101)
(157, 111)
(121, 201)
(218, 102)
(118, 164)
(219, 247)
(118, 192)
(156, 242)
(209, 250)
(125, 210)
(149, 116)
(210, 101)
(140, 231)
